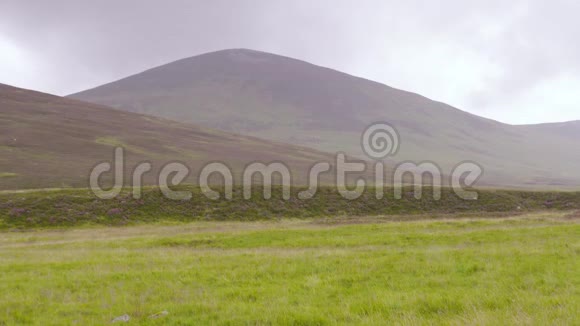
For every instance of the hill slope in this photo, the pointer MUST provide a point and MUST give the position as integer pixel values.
(288, 100)
(50, 141)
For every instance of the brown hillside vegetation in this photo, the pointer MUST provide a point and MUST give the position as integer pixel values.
(50, 141)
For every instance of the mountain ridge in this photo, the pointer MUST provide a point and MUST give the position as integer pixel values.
(292, 101)
(246, 50)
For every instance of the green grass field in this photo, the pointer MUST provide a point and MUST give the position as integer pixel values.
(365, 270)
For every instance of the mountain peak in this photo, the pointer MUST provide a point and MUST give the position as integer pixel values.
(235, 51)
(243, 55)
(239, 56)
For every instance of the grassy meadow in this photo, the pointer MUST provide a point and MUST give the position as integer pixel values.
(520, 270)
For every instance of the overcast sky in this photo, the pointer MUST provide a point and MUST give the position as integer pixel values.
(513, 61)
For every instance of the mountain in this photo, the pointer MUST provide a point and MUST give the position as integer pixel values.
(562, 129)
(50, 141)
(292, 101)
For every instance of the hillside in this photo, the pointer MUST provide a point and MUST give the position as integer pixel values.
(283, 99)
(563, 129)
(50, 141)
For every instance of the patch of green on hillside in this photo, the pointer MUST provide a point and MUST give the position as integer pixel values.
(115, 142)
(191, 154)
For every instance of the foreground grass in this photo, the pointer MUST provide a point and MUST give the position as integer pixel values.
(520, 270)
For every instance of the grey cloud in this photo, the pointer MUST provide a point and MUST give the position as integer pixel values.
(416, 45)
(535, 46)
